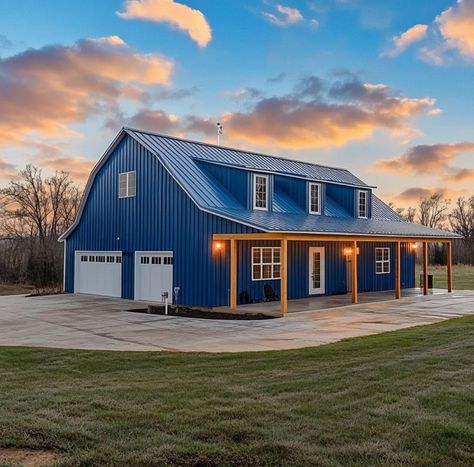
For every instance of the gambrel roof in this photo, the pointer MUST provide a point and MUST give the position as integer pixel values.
(183, 160)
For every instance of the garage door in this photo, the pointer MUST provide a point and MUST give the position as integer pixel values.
(153, 275)
(98, 273)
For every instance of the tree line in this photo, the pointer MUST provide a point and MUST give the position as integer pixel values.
(35, 210)
(438, 212)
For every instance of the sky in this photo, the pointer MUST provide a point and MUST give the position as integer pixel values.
(382, 88)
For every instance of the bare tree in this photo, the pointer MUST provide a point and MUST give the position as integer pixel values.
(462, 217)
(433, 211)
(34, 211)
(406, 214)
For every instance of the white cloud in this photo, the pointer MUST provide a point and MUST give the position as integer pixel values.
(284, 16)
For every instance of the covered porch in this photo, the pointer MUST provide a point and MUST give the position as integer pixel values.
(351, 251)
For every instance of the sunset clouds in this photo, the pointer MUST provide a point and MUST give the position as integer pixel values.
(316, 114)
(404, 40)
(177, 15)
(43, 90)
(426, 158)
(320, 114)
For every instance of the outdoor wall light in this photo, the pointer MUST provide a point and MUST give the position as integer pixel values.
(414, 247)
(218, 246)
(348, 251)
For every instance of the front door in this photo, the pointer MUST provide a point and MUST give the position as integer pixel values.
(316, 271)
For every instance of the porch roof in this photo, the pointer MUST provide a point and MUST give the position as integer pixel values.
(289, 223)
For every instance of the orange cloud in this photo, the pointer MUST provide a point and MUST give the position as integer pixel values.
(460, 176)
(404, 40)
(7, 170)
(44, 90)
(422, 159)
(413, 195)
(56, 157)
(456, 25)
(180, 16)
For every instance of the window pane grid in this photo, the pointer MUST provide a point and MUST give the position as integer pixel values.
(260, 192)
(314, 198)
(382, 260)
(265, 263)
(127, 184)
(362, 204)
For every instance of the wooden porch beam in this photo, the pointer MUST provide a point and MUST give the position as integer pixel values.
(329, 238)
(355, 295)
(233, 274)
(398, 292)
(284, 276)
(450, 267)
(425, 268)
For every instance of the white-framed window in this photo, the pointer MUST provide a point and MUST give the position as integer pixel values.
(382, 260)
(362, 204)
(265, 263)
(127, 184)
(314, 201)
(260, 192)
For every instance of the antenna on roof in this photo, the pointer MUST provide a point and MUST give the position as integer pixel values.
(219, 133)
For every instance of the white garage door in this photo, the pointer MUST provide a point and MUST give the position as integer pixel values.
(153, 275)
(98, 273)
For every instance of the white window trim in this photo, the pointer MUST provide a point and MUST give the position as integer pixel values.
(310, 185)
(382, 261)
(254, 196)
(273, 248)
(366, 204)
(127, 178)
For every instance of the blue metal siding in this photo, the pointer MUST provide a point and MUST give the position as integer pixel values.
(162, 217)
(343, 196)
(369, 281)
(231, 179)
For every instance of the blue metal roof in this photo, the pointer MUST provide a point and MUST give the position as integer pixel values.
(184, 160)
(187, 151)
(181, 157)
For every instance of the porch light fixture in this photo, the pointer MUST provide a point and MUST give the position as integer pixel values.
(414, 247)
(218, 246)
(348, 251)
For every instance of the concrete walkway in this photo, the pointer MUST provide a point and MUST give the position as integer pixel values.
(85, 322)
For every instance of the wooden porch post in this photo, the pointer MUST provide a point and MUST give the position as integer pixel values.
(450, 266)
(355, 297)
(233, 274)
(425, 268)
(284, 276)
(398, 292)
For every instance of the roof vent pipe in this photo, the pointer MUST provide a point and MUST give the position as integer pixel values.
(219, 133)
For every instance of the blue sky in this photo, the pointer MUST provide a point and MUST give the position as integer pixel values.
(381, 88)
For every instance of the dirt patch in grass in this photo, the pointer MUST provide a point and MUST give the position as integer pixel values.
(28, 457)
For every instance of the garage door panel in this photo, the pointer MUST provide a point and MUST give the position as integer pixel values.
(153, 275)
(98, 273)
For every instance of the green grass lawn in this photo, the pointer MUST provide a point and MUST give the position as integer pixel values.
(402, 398)
(463, 276)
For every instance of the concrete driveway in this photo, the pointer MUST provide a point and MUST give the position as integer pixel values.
(85, 322)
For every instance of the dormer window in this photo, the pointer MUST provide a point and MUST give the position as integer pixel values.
(362, 204)
(260, 192)
(314, 201)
